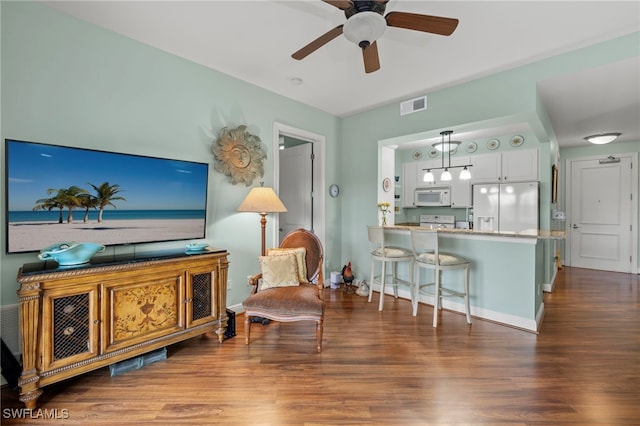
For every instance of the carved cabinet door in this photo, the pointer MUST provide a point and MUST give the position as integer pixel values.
(149, 307)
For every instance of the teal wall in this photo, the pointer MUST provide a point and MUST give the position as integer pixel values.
(67, 82)
(506, 97)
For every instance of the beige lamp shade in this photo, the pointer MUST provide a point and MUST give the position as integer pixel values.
(262, 200)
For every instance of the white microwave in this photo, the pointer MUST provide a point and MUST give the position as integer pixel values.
(434, 196)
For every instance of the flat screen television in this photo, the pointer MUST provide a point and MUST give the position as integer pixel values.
(58, 194)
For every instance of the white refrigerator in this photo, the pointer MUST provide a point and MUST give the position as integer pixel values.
(505, 207)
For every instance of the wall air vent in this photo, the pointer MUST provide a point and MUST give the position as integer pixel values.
(413, 105)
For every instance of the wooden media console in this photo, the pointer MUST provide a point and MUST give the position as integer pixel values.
(75, 319)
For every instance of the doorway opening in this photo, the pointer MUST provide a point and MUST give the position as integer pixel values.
(299, 180)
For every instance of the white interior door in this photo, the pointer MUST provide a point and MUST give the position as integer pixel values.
(601, 214)
(296, 168)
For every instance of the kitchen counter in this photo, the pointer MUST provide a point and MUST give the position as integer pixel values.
(507, 275)
(540, 234)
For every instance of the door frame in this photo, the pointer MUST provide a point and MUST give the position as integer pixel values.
(319, 152)
(634, 204)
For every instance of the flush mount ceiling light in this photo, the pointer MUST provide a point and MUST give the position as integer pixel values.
(602, 138)
(447, 146)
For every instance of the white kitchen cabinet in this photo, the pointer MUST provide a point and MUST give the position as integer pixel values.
(409, 174)
(486, 168)
(520, 165)
(460, 189)
(508, 166)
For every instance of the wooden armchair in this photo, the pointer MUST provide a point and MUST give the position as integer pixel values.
(298, 301)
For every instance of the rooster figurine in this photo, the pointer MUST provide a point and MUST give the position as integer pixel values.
(347, 277)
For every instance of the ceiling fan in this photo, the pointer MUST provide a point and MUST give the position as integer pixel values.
(365, 24)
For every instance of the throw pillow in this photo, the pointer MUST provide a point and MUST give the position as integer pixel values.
(300, 253)
(279, 271)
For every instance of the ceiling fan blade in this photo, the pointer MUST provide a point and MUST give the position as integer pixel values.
(371, 59)
(317, 43)
(340, 4)
(424, 23)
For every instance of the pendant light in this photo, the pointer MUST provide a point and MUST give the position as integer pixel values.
(428, 177)
(465, 174)
(446, 146)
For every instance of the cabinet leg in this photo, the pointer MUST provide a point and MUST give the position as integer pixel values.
(220, 332)
(29, 391)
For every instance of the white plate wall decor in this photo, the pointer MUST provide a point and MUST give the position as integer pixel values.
(517, 140)
(471, 147)
(386, 184)
(433, 152)
(493, 144)
(417, 155)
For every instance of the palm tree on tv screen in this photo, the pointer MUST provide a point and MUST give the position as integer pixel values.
(88, 201)
(65, 197)
(72, 198)
(50, 204)
(105, 195)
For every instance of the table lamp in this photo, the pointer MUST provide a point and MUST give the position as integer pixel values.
(262, 200)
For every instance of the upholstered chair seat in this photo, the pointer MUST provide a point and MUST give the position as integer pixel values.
(293, 302)
(290, 286)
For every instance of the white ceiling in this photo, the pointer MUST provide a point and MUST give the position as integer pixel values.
(253, 41)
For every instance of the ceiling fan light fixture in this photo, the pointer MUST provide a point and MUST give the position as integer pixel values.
(364, 27)
(602, 138)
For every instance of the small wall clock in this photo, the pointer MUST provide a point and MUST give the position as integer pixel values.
(334, 190)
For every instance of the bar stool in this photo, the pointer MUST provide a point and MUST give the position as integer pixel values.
(382, 253)
(428, 256)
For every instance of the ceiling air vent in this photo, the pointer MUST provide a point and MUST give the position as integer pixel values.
(413, 105)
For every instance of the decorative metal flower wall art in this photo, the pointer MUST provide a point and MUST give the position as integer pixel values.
(239, 154)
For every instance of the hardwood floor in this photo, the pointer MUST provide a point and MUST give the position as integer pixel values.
(386, 368)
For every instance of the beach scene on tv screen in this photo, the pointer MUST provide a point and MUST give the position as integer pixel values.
(60, 194)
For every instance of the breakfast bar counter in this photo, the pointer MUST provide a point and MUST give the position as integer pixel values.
(507, 274)
(541, 234)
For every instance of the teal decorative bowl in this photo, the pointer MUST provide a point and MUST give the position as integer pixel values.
(70, 253)
(195, 247)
